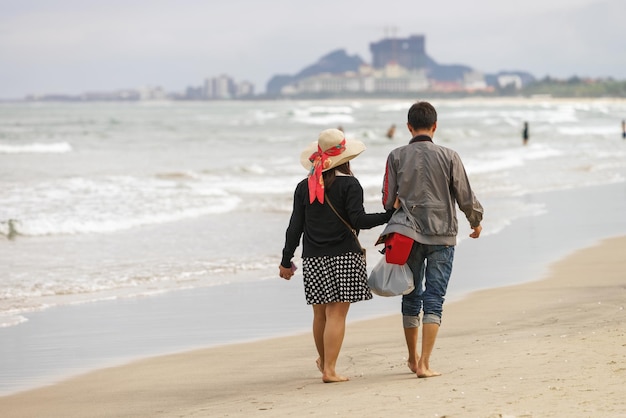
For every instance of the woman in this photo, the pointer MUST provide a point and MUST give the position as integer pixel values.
(333, 266)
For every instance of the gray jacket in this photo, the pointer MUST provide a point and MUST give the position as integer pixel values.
(429, 180)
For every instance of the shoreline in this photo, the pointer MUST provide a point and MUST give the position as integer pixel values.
(551, 347)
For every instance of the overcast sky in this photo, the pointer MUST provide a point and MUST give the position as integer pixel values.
(74, 46)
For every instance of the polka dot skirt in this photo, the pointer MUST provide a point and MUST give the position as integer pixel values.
(339, 278)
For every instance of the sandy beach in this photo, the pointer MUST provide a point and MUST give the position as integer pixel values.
(550, 348)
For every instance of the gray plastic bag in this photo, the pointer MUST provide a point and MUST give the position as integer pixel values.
(390, 279)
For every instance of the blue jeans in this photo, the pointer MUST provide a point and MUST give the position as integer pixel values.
(431, 266)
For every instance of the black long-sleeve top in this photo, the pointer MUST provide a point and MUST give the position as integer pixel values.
(324, 233)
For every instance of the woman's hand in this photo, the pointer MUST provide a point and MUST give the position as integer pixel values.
(284, 272)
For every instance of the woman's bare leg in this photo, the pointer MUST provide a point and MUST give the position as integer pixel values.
(334, 332)
(319, 324)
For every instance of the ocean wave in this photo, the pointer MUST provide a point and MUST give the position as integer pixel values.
(20, 295)
(323, 115)
(327, 120)
(325, 110)
(60, 225)
(36, 148)
(600, 131)
(395, 107)
(11, 320)
(502, 160)
(178, 175)
(81, 205)
(263, 116)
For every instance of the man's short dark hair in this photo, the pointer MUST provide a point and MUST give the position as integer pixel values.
(422, 115)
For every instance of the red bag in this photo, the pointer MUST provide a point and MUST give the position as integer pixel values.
(397, 248)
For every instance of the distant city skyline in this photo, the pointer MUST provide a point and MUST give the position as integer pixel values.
(72, 46)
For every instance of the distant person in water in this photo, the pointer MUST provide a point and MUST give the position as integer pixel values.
(391, 131)
(12, 229)
(525, 133)
(623, 128)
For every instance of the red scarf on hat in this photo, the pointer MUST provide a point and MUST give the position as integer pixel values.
(320, 162)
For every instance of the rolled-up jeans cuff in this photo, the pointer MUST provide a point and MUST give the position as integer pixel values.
(432, 319)
(410, 321)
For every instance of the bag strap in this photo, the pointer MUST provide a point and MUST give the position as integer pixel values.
(343, 220)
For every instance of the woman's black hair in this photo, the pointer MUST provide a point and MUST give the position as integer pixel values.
(329, 175)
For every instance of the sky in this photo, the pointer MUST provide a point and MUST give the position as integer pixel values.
(77, 46)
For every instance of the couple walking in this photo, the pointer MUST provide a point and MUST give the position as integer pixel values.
(423, 183)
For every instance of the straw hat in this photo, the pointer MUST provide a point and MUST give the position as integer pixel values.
(328, 139)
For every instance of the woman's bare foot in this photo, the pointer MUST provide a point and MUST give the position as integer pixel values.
(320, 366)
(427, 373)
(334, 378)
(412, 366)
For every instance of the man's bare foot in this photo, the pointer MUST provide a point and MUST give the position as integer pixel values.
(320, 367)
(427, 373)
(334, 378)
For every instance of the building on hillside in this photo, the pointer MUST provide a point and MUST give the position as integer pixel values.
(510, 80)
(475, 81)
(408, 52)
(369, 80)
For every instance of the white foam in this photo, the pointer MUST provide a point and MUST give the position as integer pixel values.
(326, 120)
(80, 205)
(22, 294)
(329, 109)
(36, 148)
(324, 115)
(8, 320)
(395, 107)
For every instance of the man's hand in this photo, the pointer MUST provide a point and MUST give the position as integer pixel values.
(476, 232)
(285, 273)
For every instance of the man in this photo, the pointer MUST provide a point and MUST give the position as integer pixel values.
(429, 180)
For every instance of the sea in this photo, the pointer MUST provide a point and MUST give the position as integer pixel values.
(175, 212)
